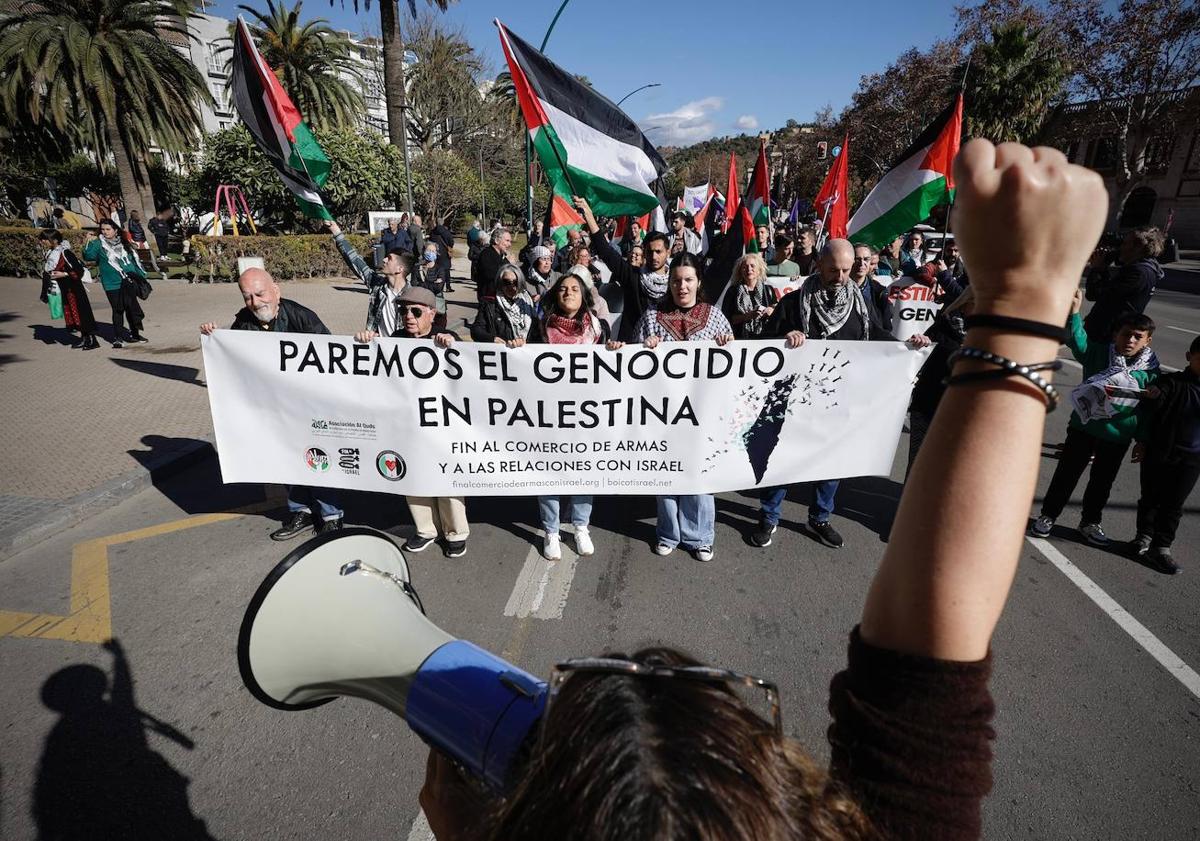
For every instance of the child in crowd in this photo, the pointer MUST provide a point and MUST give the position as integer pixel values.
(1168, 447)
(1102, 425)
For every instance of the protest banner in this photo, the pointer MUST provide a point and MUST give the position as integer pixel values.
(913, 307)
(404, 416)
(784, 285)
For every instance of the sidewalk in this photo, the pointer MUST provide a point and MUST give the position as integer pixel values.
(86, 429)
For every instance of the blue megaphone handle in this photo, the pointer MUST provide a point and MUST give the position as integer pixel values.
(475, 707)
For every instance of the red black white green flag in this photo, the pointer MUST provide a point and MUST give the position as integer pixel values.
(758, 194)
(587, 146)
(920, 180)
(833, 201)
(277, 126)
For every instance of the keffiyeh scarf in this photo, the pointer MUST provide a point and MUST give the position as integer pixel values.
(53, 256)
(750, 300)
(118, 256)
(654, 284)
(561, 330)
(1092, 399)
(830, 306)
(520, 313)
(696, 324)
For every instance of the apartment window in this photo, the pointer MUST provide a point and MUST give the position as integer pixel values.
(216, 60)
(1158, 152)
(1104, 153)
(220, 93)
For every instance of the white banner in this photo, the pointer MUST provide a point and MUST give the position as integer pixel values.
(404, 416)
(694, 198)
(913, 306)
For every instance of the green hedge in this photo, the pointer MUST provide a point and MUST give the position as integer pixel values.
(17, 222)
(286, 257)
(20, 253)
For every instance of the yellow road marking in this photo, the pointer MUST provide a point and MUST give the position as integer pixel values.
(90, 619)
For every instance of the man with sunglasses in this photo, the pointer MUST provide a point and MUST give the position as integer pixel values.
(416, 308)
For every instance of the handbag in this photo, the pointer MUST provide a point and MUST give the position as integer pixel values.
(55, 301)
(141, 286)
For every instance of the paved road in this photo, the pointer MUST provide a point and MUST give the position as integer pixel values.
(1097, 737)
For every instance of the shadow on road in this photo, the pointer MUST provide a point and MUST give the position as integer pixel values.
(180, 373)
(50, 334)
(98, 776)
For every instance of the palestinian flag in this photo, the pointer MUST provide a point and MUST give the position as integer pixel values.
(277, 126)
(560, 218)
(585, 143)
(919, 181)
(758, 194)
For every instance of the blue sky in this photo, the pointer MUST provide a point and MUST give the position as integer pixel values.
(724, 67)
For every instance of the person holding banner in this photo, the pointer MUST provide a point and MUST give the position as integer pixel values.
(750, 301)
(509, 319)
(432, 516)
(654, 745)
(1103, 423)
(829, 305)
(684, 520)
(642, 287)
(570, 319)
(267, 309)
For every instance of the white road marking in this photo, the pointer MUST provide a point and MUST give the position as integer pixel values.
(1155, 647)
(1182, 329)
(543, 586)
(420, 829)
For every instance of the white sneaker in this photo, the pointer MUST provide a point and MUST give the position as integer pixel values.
(552, 548)
(704, 553)
(583, 541)
(663, 549)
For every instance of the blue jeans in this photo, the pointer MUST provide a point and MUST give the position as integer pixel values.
(687, 521)
(578, 507)
(304, 498)
(818, 512)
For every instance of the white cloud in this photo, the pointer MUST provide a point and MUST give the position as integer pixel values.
(746, 122)
(689, 123)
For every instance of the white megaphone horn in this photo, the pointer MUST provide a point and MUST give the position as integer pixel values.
(339, 616)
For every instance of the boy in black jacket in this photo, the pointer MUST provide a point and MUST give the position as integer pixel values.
(1168, 447)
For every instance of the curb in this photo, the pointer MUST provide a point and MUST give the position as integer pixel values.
(71, 512)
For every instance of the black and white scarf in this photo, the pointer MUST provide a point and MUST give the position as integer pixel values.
(831, 306)
(519, 311)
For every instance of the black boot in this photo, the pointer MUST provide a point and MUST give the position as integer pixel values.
(298, 522)
(90, 342)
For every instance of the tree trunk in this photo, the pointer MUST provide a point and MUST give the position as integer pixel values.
(393, 69)
(131, 194)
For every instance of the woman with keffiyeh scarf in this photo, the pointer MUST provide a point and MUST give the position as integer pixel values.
(62, 267)
(116, 260)
(511, 318)
(688, 521)
(569, 319)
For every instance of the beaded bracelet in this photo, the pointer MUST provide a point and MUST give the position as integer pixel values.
(1017, 325)
(1007, 368)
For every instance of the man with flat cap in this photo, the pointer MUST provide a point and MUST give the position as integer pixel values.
(431, 515)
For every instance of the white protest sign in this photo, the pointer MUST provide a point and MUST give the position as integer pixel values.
(404, 416)
(784, 285)
(913, 307)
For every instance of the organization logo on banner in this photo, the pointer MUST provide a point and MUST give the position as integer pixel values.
(390, 465)
(317, 460)
(348, 459)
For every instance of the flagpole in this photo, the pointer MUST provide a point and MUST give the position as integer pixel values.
(962, 89)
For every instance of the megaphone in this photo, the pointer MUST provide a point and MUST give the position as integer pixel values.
(339, 616)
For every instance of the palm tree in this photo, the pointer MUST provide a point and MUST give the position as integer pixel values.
(443, 88)
(311, 61)
(393, 63)
(1013, 80)
(102, 72)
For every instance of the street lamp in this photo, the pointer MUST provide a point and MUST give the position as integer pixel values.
(528, 142)
(635, 90)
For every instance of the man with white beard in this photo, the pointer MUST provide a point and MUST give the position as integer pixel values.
(266, 310)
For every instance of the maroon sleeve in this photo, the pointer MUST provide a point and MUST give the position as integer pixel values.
(911, 740)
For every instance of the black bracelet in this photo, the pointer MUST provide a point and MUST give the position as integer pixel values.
(1017, 325)
(1007, 368)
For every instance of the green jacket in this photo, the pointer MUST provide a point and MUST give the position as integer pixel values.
(111, 276)
(1093, 356)
(784, 268)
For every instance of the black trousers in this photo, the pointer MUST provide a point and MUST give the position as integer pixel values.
(125, 305)
(1165, 487)
(1072, 461)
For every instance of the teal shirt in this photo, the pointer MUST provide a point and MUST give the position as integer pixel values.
(1093, 356)
(110, 276)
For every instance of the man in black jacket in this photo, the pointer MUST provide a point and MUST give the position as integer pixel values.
(487, 264)
(267, 310)
(444, 237)
(1125, 288)
(828, 305)
(642, 286)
